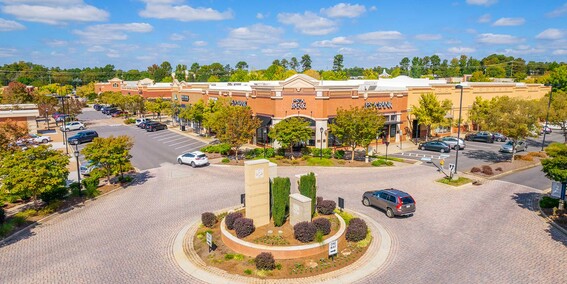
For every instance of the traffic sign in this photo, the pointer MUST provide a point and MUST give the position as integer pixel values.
(209, 240)
(452, 168)
(556, 189)
(333, 247)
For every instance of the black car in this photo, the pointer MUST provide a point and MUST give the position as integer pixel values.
(482, 136)
(435, 145)
(155, 126)
(499, 137)
(83, 136)
(97, 107)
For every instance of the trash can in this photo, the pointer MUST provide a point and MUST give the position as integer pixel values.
(182, 127)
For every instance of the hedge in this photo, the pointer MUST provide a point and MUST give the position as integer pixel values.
(280, 192)
(222, 148)
(308, 188)
(327, 153)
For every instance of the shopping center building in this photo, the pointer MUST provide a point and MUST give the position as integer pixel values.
(317, 101)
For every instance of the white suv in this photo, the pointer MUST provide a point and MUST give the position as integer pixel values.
(196, 158)
(73, 125)
(140, 120)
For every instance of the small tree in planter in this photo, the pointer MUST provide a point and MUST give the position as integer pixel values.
(308, 188)
(280, 192)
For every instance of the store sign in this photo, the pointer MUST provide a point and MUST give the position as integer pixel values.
(378, 105)
(298, 104)
(239, 103)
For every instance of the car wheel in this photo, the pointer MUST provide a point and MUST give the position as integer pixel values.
(193, 164)
(44, 141)
(179, 161)
(390, 213)
(421, 147)
(442, 150)
(456, 147)
(165, 127)
(366, 202)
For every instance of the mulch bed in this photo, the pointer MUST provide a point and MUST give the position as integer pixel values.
(560, 219)
(506, 166)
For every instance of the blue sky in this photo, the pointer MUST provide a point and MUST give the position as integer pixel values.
(137, 33)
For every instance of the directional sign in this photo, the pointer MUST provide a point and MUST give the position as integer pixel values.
(556, 189)
(452, 168)
(333, 247)
(209, 239)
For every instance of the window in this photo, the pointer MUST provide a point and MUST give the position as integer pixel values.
(184, 98)
(115, 85)
(407, 200)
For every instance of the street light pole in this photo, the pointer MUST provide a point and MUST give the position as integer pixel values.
(78, 167)
(321, 152)
(265, 132)
(459, 127)
(62, 98)
(547, 116)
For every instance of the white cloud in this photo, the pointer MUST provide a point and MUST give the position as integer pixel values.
(176, 36)
(347, 51)
(7, 25)
(7, 52)
(560, 52)
(200, 43)
(481, 2)
(400, 49)
(379, 37)
(484, 18)
(490, 38)
(558, 12)
(106, 33)
(168, 45)
(260, 16)
(54, 11)
(523, 49)
(308, 23)
(288, 44)
(166, 9)
(470, 31)
(509, 22)
(461, 50)
(333, 42)
(452, 41)
(551, 34)
(428, 37)
(344, 10)
(96, 48)
(373, 8)
(251, 37)
(56, 43)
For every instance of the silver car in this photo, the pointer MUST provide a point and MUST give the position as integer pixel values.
(453, 142)
(395, 202)
(508, 146)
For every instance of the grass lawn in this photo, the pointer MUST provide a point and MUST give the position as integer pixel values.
(320, 162)
(458, 182)
(390, 158)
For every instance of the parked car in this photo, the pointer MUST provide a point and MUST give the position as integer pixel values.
(83, 136)
(395, 202)
(97, 107)
(435, 145)
(545, 129)
(141, 120)
(107, 109)
(88, 167)
(143, 124)
(499, 137)
(117, 113)
(155, 126)
(37, 139)
(194, 159)
(72, 125)
(62, 118)
(454, 142)
(482, 136)
(508, 146)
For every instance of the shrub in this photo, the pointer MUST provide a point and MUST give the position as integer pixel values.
(308, 188)
(51, 207)
(345, 215)
(225, 160)
(125, 179)
(75, 188)
(306, 151)
(476, 170)
(340, 154)
(248, 271)
(327, 153)
(356, 230)
(244, 227)
(323, 225)
(19, 219)
(538, 154)
(319, 235)
(319, 199)
(2, 215)
(222, 149)
(90, 183)
(209, 219)
(499, 169)
(304, 231)
(524, 157)
(381, 163)
(326, 207)
(280, 192)
(230, 218)
(280, 152)
(487, 170)
(270, 152)
(54, 194)
(265, 261)
(129, 121)
(548, 202)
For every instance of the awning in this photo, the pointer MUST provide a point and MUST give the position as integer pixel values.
(266, 120)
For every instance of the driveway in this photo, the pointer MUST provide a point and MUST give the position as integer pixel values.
(487, 233)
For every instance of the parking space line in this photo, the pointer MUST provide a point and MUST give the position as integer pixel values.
(169, 137)
(188, 145)
(176, 143)
(157, 133)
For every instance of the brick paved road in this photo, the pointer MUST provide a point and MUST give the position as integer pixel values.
(488, 233)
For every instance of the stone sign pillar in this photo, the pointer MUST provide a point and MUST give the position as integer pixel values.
(273, 170)
(257, 190)
(299, 208)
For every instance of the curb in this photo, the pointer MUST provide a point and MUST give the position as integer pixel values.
(55, 214)
(561, 229)
(371, 262)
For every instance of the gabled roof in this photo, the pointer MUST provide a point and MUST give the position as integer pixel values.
(300, 81)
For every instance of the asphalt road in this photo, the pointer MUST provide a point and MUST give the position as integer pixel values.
(533, 177)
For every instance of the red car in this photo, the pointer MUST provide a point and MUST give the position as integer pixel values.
(118, 113)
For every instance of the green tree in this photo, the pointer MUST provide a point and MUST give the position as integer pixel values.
(197, 114)
(555, 167)
(275, 72)
(479, 112)
(338, 62)
(294, 64)
(496, 72)
(557, 110)
(404, 65)
(478, 76)
(241, 65)
(213, 78)
(431, 111)
(111, 153)
(33, 171)
(308, 188)
(10, 132)
(370, 74)
(305, 62)
(240, 75)
(435, 63)
(291, 131)
(558, 78)
(357, 127)
(313, 74)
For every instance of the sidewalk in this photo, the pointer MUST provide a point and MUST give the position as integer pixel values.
(393, 148)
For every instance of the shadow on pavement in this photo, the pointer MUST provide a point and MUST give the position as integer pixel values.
(528, 201)
(140, 178)
(22, 235)
(487, 156)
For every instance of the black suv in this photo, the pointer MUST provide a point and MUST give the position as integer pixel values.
(482, 136)
(83, 136)
(150, 127)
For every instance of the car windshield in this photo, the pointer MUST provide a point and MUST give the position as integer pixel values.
(509, 143)
(201, 156)
(407, 200)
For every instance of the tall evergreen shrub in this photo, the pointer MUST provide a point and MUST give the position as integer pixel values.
(280, 192)
(308, 188)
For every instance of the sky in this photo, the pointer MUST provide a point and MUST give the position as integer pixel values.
(134, 34)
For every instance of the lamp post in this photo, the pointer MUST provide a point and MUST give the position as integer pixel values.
(62, 99)
(547, 115)
(459, 127)
(78, 167)
(321, 152)
(264, 135)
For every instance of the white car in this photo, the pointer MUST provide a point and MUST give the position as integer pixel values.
(37, 139)
(73, 125)
(87, 168)
(140, 120)
(194, 159)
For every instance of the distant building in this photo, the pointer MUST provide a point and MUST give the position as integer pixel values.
(23, 114)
